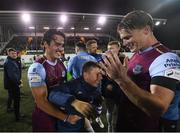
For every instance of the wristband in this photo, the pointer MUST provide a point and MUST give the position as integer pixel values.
(67, 117)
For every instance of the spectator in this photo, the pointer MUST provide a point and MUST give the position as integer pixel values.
(12, 77)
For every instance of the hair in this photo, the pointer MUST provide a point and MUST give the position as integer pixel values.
(81, 45)
(11, 49)
(48, 35)
(115, 43)
(136, 20)
(90, 42)
(89, 66)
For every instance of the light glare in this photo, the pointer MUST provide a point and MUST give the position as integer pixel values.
(102, 20)
(157, 23)
(46, 28)
(86, 28)
(63, 18)
(26, 17)
(32, 27)
(98, 28)
(60, 28)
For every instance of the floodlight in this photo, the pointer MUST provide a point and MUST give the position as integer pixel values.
(31, 27)
(86, 28)
(72, 28)
(102, 20)
(98, 28)
(157, 23)
(26, 17)
(63, 18)
(46, 28)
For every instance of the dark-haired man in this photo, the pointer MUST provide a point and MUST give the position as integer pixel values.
(46, 72)
(83, 88)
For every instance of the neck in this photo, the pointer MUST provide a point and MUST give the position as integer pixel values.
(50, 58)
(152, 40)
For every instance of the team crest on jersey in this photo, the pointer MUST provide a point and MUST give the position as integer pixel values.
(137, 69)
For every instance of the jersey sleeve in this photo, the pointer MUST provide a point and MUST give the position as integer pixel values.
(36, 75)
(165, 70)
(71, 64)
(61, 95)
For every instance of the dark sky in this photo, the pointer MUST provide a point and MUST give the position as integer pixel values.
(159, 8)
(169, 9)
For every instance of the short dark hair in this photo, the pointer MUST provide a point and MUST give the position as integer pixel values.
(136, 20)
(89, 66)
(114, 43)
(48, 35)
(90, 42)
(80, 45)
(11, 49)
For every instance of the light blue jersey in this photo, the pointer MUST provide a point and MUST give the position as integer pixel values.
(76, 63)
(36, 75)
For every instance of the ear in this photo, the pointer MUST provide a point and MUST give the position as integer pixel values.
(147, 30)
(45, 44)
(85, 75)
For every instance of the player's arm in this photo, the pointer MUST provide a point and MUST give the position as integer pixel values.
(36, 75)
(63, 96)
(153, 103)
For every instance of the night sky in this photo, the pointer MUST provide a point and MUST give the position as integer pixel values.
(168, 9)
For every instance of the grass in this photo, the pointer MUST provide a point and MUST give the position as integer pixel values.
(7, 120)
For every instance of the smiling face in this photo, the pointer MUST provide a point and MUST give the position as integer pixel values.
(136, 30)
(134, 39)
(55, 46)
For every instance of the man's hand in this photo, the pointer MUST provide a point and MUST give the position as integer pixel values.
(109, 87)
(114, 68)
(83, 107)
(21, 84)
(73, 119)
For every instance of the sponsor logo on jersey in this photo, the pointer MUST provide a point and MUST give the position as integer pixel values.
(172, 63)
(35, 78)
(173, 73)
